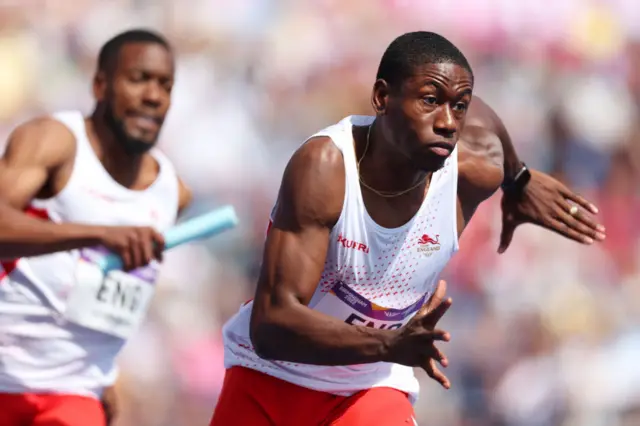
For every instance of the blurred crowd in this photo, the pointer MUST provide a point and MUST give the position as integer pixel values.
(545, 334)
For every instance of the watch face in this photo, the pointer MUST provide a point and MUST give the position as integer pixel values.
(523, 180)
(519, 181)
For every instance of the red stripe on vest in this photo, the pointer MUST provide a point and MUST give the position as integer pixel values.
(9, 266)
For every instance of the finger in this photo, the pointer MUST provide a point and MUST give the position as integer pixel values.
(506, 235)
(439, 356)
(587, 235)
(158, 245)
(441, 335)
(593, 229)
(563, 229)
(581, 201)
(158, 239)
(137, 252)
(434, 300)
(432, 370)
(147, 250)
(434, 316)
(125, 255)
(582, 222)
(437, 296)
(441, 291)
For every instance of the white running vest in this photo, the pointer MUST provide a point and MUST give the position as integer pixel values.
(373, 276)
(61, 324)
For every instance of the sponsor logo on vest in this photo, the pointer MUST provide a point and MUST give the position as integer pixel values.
(351, 244)
(349, 298)
(428, 246)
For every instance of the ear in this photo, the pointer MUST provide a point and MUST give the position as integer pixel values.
(380, 96)
(99, 86)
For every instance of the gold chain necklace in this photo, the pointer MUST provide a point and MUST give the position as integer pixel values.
(375, 191)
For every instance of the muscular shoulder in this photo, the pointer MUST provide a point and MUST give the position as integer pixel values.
(43, 141)
(313, 186)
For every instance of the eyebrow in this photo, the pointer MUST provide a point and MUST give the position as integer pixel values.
(431, 83)
(434, 83)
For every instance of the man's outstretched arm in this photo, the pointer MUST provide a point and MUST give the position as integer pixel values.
(542, 200)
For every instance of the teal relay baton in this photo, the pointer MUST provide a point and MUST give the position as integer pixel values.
(199, 227)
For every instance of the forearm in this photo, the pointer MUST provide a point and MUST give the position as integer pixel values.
(300, 334)
(22, 235)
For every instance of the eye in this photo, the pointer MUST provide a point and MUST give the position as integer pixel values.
(136, 77)
(166, 84)
(460, 106)
(430, 100)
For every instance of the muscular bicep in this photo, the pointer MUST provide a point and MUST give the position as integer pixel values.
(309, 203)
(293, 263)
(20, 184)
(34, 152)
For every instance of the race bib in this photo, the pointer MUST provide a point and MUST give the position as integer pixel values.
(343, 303)
(115, 303)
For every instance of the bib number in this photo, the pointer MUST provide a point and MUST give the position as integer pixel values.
(115, 303)
(356, 319)
(345, 304)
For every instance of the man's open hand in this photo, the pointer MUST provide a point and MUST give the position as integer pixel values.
(548, 203)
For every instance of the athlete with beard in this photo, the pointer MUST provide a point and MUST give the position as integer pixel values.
(96, 184)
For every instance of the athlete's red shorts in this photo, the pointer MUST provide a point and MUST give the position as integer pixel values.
(50, 410)
(251, 398)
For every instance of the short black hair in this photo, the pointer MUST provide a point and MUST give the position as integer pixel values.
(415, 49)
(108, 56)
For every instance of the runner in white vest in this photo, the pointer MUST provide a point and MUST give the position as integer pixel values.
(368, 214)
(103, 187)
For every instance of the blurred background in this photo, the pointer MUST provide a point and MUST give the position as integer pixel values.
(546, 334)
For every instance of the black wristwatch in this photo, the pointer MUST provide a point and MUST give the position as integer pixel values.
(518, 182)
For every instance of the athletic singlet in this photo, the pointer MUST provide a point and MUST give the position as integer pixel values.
(373, 276)
(61, 322)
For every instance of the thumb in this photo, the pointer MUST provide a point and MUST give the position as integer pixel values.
(506, 235)
(436, 298)
(439, 294)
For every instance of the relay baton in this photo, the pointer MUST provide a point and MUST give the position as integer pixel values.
(199, 227)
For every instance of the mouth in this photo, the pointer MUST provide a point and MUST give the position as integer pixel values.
(441, 149)
(146, 122)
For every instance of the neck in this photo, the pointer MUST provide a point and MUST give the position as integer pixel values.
(383, 166)
(121, 165)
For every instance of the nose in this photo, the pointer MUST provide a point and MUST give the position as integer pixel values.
(152, 94)
(445, 123)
